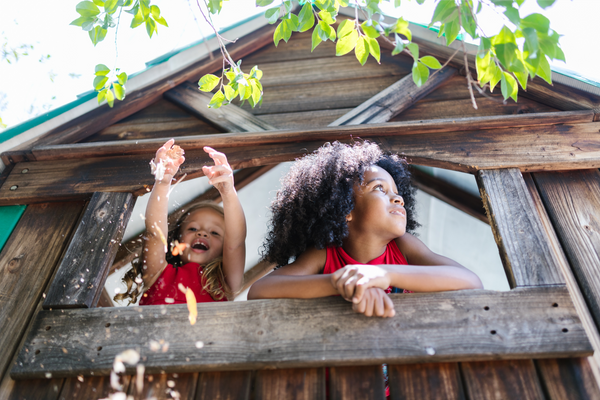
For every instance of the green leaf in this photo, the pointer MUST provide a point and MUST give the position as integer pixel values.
(485, 68)
(369, 29)
(316, 38)
(110, 98)
(397, 3)
(256, 73)
(522, 78)
(345, 28)
(513, 15)
(326, 32)
(208, 82)
(452, 29)
(401, 28)
(306, 18)
(256, 92)
(101, 69)
(122, 77)
(497, 77)
(100, 81)
(544, 71)
(81, 20)
(150, 27)
(263, 3)
(272, 14)
(138, 19)
(215, 6)
(161, 21)
(468, 21)
(87, 9)
(217, 100)
(505, 36)
(361, 50)
(399, 45)
(431, 62)
(374, 49)
(508, 86)
(119, 91)
(548, 46)
(545, 3)
(414, 50)
(326, 17)
(230, 93)
(443, 10)
(110, 6)
(99, 3)
(559, 55)
(145, 8)
(101, 96)
(347, 43)
(279, 32)
(536, 21)
(420, 73)
(155, 11)
(97, 34)
(531, 40)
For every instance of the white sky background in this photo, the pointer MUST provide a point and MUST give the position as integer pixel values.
(26, 89)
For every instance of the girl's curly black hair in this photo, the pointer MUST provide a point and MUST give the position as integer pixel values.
(318, 193)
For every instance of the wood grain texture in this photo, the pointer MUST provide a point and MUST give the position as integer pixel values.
(165, 386)
(526, 253)
(304, 120)
(501, 380)
(393, 100)
(292, 384)
(568, 379)
(33, 389)
(449, 194)
(293, 333)
(96, 387)
(572, 200)
(82, 272)
(228, 385)
(228, 119)
(356, 383)
(27, 262)
(425, 381)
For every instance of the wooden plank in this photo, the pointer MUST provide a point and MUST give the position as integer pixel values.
(228, 385)
(79, 128)
(529, 149)
(568, 379)
(229, 119)
(26, 265)
(294, 333)
(523, 243)
(572, 200)
(297, 384)
(105, 299)
(80, 278)
(34, 389)
(165, 386)
(500, 380)
(96, 387)
(393, 100)
(348, 383)
(425, 381)
(449, 194)
(304, 120)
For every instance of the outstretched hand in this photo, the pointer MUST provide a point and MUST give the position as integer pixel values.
(375, 302)
(166, 167)
(353, 280)
(220, 175)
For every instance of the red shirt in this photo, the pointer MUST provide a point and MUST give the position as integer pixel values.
(337, 258)
(166, 286)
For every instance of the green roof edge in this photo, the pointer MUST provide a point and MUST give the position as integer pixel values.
(9, 217)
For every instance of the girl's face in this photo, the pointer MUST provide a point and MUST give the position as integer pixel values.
(378, 209)
(203, 231)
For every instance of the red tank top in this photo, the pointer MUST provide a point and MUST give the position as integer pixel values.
(337, 258)
(165, 286)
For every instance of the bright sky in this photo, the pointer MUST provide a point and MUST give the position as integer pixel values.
(29, 86)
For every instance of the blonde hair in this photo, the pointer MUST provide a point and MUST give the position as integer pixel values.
(212, 277)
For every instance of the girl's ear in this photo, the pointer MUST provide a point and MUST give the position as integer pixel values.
(349, 217)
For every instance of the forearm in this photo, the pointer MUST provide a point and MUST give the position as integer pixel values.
(420, 278)
(235, 221)
(157, 209)
(292, 286)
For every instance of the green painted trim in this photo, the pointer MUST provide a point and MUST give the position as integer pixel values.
(9, 217)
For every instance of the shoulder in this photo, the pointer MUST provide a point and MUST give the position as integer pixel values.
(311, 262)
(412, 248)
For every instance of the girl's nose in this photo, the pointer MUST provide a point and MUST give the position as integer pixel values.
(202, 233)
(397, 199)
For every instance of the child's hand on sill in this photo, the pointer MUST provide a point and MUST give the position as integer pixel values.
(352, 281)
(375, 302)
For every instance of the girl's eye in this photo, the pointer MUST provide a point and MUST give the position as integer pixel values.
(380, 188)
(192, 229)
(215, 233)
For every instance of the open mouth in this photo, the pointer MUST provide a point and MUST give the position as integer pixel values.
(201, 246)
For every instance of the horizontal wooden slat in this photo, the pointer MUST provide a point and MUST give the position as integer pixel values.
(291, 333)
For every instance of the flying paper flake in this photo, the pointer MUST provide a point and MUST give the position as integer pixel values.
(199, 344)
(130, 356)
(178, 248)
(169, 300)
(191, 303)
(115, 381)
(158, 168)
(154, 345)
(48, 375)
(171, 383)
(139, 378)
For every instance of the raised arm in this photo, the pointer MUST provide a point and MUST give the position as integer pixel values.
(157, 210)
(234, 242)
(301, 279)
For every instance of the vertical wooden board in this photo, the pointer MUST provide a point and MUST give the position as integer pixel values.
(31, 389)
(425, 381)
(231, 385)
(568, 379)
(83, 270)
(572, 200)
(348, 383)
(97, 387)
(26, 265)
(165, 386)
(292, 384)
(524, 245)
(501, 380)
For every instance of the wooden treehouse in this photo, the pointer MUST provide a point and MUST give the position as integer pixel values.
(78, 173)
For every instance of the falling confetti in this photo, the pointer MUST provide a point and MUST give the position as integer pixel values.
(178, 248)
(191, 303)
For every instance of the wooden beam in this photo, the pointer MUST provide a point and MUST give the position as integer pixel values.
(393, 100)
(27, 262)
(293, 333)
(568, 379)
(511, 379)
(80, 278)
(526, 253)
(425, 381)
(356, 382)
(449, 194)
(297, 383)
(224, 385)
(403, 128)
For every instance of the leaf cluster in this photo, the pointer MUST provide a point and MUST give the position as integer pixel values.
(106, 89)
(244, 86)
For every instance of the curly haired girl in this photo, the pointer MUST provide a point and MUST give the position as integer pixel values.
(343, 215)
(208, 242)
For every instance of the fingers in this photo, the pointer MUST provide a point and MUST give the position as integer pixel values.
(389, 306)
(218, 158)
(375, 302)
(218, 174)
